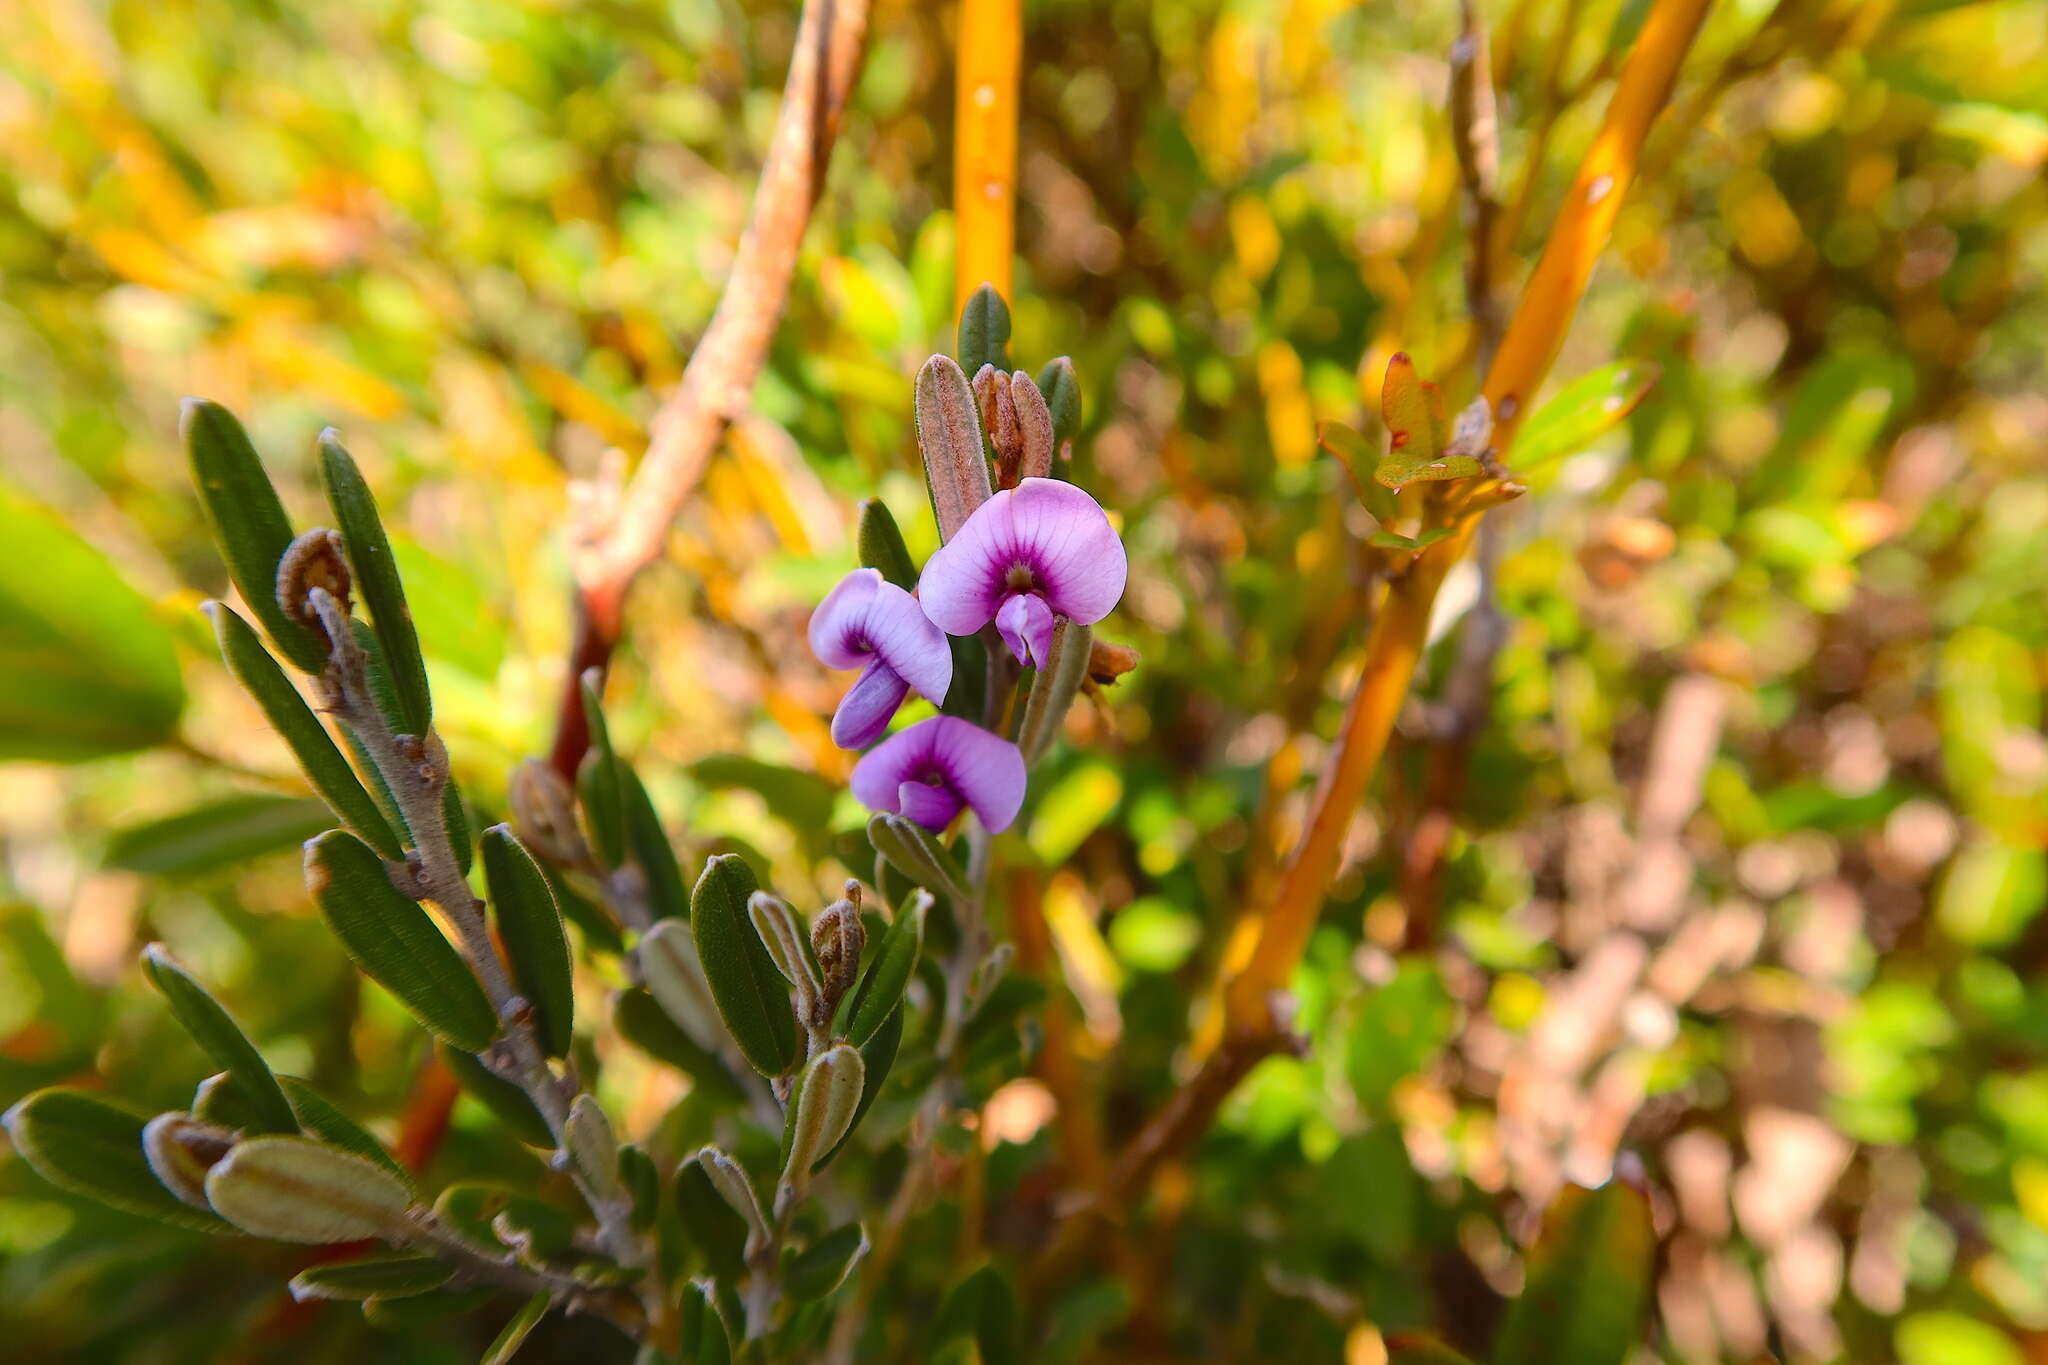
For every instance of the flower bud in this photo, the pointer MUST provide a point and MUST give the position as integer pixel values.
(314, 560)
(181, 1150)
(1108, 662)
(544, 813)
(838, 937)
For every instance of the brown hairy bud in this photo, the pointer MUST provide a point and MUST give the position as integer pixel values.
(314, 560)
(544, 813)
(837, 937)
(1108, 662)
(998, 409)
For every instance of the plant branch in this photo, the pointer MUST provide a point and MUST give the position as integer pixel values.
(1401, 628)
(625, 537)
(990, 57)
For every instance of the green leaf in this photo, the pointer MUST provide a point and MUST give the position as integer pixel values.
(376, 581)
(877, 1055)
(82, 1143)
(531, 927)
(509, 1104)
(294, 720)
(984, 331)
(296, 1190)
(492, 1213)
(86, 667)
(823, 1266)
(981, 1308)
(1054, 689)
(424, 1310)
(218, 1036)
(1062, 392)
(642, 1181)
(1360, 459)
(913, 851)
(600, 788)
(801, 800)
(248, 522)
(716, 1229)
(374, 1277)
(881, 545)
(518, 1329)
(703, 1338)
(751, 995)
(319, 1118)
(1582, 412)
(667, 893)
(1397, 1031)
(1587, 1281)
(868, 1006)
(224, 833)
(395, 943)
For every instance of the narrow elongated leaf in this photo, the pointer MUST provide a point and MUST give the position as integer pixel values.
(248, 522)
(517, 1330)
(220, 1038)
(319, 1118)
(1360, 460)
(531, 926)
(85, 1144)
(509, 1104)
(395, 943)
(703, 1339)
(593, 1148)
(225, 833)
(600, 789)
(294, 720)
(642, 1181)
(823, 1266)
(1587, 1281)
(1053, 691)
(915, 853)
(667, 894)
(87, 665)
(374, 1277)
(870, 1004)
(984, 331)
(1063, 400)
(376, 580)
(949, 436)
(820, 1117)
(877, 1055)
(296, 1190)
(1582, 412)
(982, 1308)
(751, 995)
(717, 1231)
(881, 545)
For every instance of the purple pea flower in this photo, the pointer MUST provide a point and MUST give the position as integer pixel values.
(871, 624)
(930, 770)
(1041, 549)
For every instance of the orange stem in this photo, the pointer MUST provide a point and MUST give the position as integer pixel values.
(985, 146)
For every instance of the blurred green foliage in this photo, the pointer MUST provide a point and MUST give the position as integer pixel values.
(480, 239)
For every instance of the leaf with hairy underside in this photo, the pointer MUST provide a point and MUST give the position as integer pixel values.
(296, 1190)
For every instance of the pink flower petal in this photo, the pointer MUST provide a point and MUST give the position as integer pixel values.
(1025, 623)
(932, 807)
(905, 638)
(981, 770)
(1047, 531)
(864, 712)
(838, 626)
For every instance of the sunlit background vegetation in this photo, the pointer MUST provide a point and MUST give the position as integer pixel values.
(1744, 886)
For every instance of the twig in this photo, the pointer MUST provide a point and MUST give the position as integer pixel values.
(719, 379)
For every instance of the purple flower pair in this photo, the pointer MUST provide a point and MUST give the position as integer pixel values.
(1027, 555)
